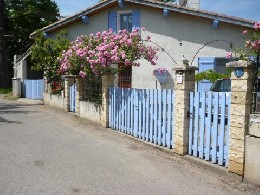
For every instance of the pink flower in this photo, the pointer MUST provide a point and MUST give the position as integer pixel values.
(257, 26)
(143, 28)
(256, 44)
(127, 62)
(82, 74)
(229, 55)
(244, 32)
(153, 62)
(148, 38)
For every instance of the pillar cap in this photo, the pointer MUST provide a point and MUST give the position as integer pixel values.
(240, 64)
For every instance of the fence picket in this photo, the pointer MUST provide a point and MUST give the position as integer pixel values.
(215, 127)
(164, 111)
(147, 114)
(151, 115)
(191, 122)
(155, 117)
(228, 95)
(160, 117)
(208, 125)
(222, 129)
(196, 132)
(202, 124)
(170, 119)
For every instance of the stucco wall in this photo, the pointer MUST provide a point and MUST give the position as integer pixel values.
(90, 111)
(53, 100)
(191, 32)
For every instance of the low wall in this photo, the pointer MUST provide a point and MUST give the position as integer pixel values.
(54, 100)
(252, 151)
(90, 111)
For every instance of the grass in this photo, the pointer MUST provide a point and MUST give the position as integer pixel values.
(7, 93)
(5, 90)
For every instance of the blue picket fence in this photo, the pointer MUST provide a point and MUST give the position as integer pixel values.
(73, 98)
(143, 113)
(33, 89)
(209, 126)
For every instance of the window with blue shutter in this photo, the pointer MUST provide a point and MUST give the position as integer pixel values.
(206, 63)
(112, 20)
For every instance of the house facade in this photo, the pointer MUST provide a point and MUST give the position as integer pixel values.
(179, 31)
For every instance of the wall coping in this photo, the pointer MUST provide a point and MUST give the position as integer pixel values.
(188, 68)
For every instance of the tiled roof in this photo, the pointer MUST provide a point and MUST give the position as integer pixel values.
(150, 3)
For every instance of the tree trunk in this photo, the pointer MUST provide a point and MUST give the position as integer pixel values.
(4, 70)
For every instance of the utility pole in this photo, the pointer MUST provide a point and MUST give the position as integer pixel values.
(4, 69)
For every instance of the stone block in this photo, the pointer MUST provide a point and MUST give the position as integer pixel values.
(235, 167)
(241, 85)
(239, 121)
(186, 85)
(237, 133)
(240, 110)
(236, 148)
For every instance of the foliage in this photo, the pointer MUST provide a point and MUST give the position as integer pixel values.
(44, 55)
(211, 75)
(252, 44)
(96, 54)
(24, 17)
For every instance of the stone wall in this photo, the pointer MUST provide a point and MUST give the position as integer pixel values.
(54, 100)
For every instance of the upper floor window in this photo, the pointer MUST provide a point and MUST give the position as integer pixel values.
(126, 22)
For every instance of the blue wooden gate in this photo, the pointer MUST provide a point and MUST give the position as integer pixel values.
(143, 113)
(33, 89)
(209, 126)
(73, 98)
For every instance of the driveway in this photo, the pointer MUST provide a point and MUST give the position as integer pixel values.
(47, 151)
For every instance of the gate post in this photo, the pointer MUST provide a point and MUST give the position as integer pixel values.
(184, 84)
(79, 94)
(107, 81)
(241, 98)
(69, 81)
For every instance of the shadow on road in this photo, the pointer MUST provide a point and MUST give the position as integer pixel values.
(8, 108)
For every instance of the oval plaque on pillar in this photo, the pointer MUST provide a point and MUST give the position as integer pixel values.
(239, 72)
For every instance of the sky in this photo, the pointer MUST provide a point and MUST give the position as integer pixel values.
(249, 9)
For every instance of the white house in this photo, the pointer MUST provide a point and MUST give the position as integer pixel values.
(203, 37)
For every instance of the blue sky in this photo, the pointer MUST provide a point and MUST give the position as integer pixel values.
(241, 8)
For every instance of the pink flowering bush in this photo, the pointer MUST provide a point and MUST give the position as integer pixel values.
(252, 44)
(95, 54)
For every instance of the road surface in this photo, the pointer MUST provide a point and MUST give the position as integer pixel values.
(47, 151)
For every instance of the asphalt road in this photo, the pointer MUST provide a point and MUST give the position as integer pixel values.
(47, 151)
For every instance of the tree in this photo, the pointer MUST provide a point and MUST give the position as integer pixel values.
(24, 17)
(44, 54)
(4, 73)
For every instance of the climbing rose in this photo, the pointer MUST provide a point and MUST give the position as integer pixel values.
(96, 53)
(257, 26)
(228, 55)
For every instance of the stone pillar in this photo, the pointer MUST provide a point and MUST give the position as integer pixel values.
(184, 84)
(241, 99)
(69, 81)
(107, 81)
(79, 94)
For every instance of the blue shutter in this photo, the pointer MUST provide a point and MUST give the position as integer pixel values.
(136, 19)
(206, 63)
(112, 20)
